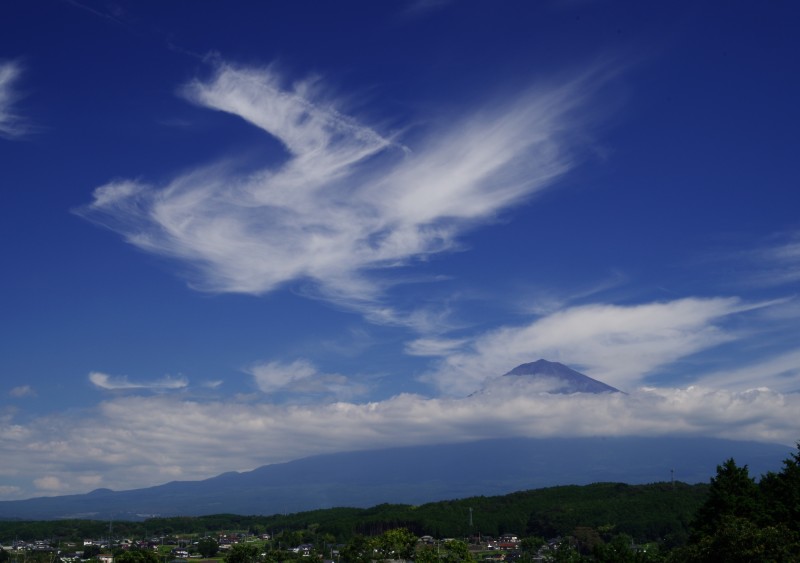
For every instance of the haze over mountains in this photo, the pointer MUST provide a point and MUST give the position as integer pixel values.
(419, 474)
(414, 475)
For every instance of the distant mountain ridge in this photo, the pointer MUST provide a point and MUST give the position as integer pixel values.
(420, 474)
(413, 475)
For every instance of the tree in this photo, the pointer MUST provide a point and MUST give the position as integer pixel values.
(291, 538)
(426, 554)
(530, 547)
(325, 542)
(396, 544)
(781, 493)
(620, 550)
(732, 493)
(742, 521)
(207, 547)
(136, 555)
(588, 538)
(531, 543)
(456, 551)
(564, 552)
(242, 553)
(358, 550)
(739, 540)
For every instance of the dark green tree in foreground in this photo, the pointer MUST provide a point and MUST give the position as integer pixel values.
(739, 540)
(781, 493)
(742, 521)
(733, 493)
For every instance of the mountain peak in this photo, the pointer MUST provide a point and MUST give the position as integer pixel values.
(557, 378)
(542, 367)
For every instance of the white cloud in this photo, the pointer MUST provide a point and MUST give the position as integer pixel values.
(779, 263)
(780, 372)
(22, 391)
(10, 492)
(301, 377)
(11, 124)
(434, 346)
(200, 439)
(275, 375)
(115, 383)
(771, 262)
(50, 483)
(90, 480)
(347, 202)
(616, 344)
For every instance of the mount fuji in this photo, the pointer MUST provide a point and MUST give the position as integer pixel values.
(542, 376)
(424, 473)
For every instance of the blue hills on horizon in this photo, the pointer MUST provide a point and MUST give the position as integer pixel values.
(414, 475)
(419, 474)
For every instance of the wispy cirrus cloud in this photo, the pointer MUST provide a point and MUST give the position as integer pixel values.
(767, 262)
(111, 12)
(301, 377)
(121, 382)
(22, 391)
(780, 372)
(779, 262)
(348, 203)
(616, 344)
(434, 346)
(12, 125)
(67, 452)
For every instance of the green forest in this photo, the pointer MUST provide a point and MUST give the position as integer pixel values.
(732, 518)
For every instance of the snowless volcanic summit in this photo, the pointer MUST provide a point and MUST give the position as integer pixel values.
(548, 377)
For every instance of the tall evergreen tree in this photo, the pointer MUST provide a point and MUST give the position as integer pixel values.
(732, 493)
(781, 494)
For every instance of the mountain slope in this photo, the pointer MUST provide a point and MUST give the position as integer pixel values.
(571, 380)
(542, 376)
(414, 475)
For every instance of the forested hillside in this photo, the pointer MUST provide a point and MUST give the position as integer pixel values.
(647, 512)
(733, 518)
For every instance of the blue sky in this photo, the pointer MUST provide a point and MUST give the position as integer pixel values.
(240, 233)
